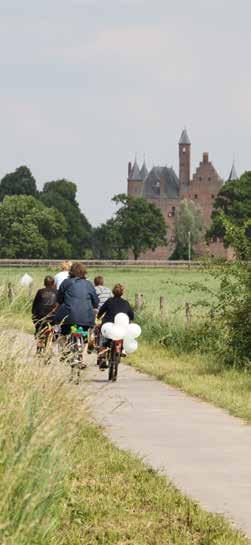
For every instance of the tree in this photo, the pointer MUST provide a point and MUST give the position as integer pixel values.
(140, 224)
(188, 219)
(28, 229)
(61, 194)
(20, 182)
(107, 242)
(234, 203)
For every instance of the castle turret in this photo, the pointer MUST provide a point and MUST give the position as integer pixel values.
(184, 161)
(135, 180)
(233, 174)
(144, 171)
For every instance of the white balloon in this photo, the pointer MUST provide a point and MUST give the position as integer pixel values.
(130, 345)
(117, 333)
(106, 329)
(121, 319)
(26, 280)
(133, 331)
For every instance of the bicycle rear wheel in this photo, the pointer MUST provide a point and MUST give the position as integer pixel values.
(113, 366)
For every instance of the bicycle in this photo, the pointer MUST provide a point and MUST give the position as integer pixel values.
(78, 345)
(114, 356)
(46, 336)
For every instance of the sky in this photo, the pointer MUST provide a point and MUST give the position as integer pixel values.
(87, 84)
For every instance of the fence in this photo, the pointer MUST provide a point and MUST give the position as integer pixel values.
(96, 263)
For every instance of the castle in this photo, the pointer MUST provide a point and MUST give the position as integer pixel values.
(165, 189)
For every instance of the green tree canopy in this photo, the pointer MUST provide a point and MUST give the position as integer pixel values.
(234, 203)
(188, 219)
(20, 182)
(61, 194)
(28, 229)
(107, 241)
(141, 224)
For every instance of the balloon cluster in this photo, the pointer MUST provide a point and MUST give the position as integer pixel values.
(121, 329)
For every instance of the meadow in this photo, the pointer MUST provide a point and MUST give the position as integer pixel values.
(174, 285)
(186, 357)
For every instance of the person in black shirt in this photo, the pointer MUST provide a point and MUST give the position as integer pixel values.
(107, 312)
(114, 305)
(44, 304)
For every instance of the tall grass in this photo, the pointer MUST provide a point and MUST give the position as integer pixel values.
(34, 457)
(63, 483)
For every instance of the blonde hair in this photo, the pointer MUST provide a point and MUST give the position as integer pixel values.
(66, 265)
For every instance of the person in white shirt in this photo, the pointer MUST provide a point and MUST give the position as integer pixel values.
(63, 274)
(102, 292)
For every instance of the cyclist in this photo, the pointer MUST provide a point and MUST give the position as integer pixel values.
(63, 274)
(107, 312)
(44, 305)
(77, 299)
(114, 305)
(103, 293)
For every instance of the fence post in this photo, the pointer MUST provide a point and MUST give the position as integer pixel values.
(188, 314)
(162, 306)
(138, 301)
(10, 293)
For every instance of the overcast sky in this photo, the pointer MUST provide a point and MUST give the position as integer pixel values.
(86, 84)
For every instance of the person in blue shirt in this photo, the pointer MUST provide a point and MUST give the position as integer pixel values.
(77, 300)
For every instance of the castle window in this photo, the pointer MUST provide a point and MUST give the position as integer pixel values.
(209, 178)
(196, 196)
(200, 178)
(173, 210)
(212, 196)
(172, 238)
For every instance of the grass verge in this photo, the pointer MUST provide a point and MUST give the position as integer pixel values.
(63, 482)
(198, 375)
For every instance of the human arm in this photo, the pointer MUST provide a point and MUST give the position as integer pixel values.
(35, 304)
(130, 312)
(102, 310)
(61, 292)
(94, 296)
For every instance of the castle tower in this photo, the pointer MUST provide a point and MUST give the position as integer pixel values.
(184, 161)
(135, 180)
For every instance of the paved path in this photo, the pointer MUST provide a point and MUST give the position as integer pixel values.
(205, 452)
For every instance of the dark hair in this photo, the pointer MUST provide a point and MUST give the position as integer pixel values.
(49, 282)
(77, 270)
(118, 290)
(98, 281)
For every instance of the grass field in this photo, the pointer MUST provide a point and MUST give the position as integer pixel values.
(194, 370)
(63, 483)
(198, 375)
(152, 283)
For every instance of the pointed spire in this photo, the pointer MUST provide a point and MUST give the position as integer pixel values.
(135, 172)
(144, 171)
(184, 139)
(233, 174)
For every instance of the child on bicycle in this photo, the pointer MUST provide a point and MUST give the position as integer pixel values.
(102, 291)
(114, 305)
(107, 313)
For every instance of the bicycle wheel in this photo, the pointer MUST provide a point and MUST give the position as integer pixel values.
(116, 365)
(113, 365)
(110, 369)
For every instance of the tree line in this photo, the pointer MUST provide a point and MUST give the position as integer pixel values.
(49, 223)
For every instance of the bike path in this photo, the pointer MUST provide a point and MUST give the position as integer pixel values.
(202, 449)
